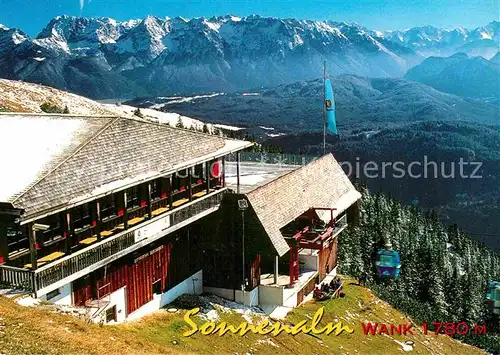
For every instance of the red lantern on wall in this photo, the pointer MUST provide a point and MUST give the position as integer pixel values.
(215, 168)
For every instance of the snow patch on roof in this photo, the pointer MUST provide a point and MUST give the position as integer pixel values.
(25, 162)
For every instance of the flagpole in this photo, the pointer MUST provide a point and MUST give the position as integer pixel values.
(324, 108)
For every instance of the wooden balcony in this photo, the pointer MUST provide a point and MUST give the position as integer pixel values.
(96, 255)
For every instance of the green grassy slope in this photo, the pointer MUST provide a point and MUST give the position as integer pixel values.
(27, 330)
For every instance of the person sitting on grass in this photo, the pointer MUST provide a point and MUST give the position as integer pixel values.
(318, 293)
(325, 288)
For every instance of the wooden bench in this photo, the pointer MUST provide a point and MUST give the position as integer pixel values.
(159, 211)
(180, 202)
(200, 194)
(135, 220)
(88, 241)
(46, 259)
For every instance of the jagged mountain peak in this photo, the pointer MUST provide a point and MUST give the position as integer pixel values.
(71, 29)
(217, 53)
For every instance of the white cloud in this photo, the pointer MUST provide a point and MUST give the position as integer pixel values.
(82, 4)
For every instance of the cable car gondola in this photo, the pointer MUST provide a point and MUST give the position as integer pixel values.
(388, 263)
(493, 297)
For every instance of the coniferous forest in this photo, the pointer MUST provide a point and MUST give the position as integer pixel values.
(443, 273)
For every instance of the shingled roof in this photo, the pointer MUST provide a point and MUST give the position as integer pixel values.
(55, 161)
(321, 183)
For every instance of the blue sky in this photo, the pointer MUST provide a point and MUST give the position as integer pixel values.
(31, 16)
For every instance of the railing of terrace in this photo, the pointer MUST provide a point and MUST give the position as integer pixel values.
(273, 158)
(47, 275)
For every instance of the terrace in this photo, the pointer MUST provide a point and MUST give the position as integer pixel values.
(68, 268)
(312, 255)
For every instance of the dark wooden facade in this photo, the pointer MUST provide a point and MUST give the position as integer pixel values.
(223, 247)
(152, 270)
(76, 228)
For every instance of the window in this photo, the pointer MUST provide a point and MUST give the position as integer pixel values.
(17, 237)
(133, 197)
(81, 216)
(53, 294)
(180, 180)
(157, 287)
(54, 232)
(111, 314)
(155, 189)
(108, 206)
(198, 173)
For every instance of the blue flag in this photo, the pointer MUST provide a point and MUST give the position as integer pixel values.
(331, 125)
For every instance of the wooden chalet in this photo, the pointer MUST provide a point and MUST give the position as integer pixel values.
(274, 252)
(106, 212)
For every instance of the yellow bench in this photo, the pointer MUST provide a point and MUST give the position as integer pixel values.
(51, 257)
(88, 240)
(135, 220)
(159, 211)
(180, 202)
(200, 194)
(46, 259)
(106, 233)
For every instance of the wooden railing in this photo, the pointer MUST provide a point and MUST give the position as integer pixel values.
(272, 158)
(52, 273)
(18, 278)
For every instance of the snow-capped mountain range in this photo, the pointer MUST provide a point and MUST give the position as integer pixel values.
(429, 40)
(104, 58)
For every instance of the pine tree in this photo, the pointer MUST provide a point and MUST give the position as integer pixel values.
(138, 113)
(443, 271)
(179, 123)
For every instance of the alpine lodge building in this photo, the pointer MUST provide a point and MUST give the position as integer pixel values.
(120, 216)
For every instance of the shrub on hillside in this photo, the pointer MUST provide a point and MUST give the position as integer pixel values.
(49, 107)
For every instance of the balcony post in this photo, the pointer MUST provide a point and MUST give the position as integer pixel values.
(150, 204)
(190, 184)
(33, 252)
(98, 221)
(207, 175)
(67, 231)
(125, 212)
(169, 191)
(223, 172)
(238, 158)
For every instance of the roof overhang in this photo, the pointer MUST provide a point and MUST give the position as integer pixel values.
(231, 146)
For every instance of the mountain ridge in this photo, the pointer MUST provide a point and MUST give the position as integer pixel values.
(105, 58)
(461, 75)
